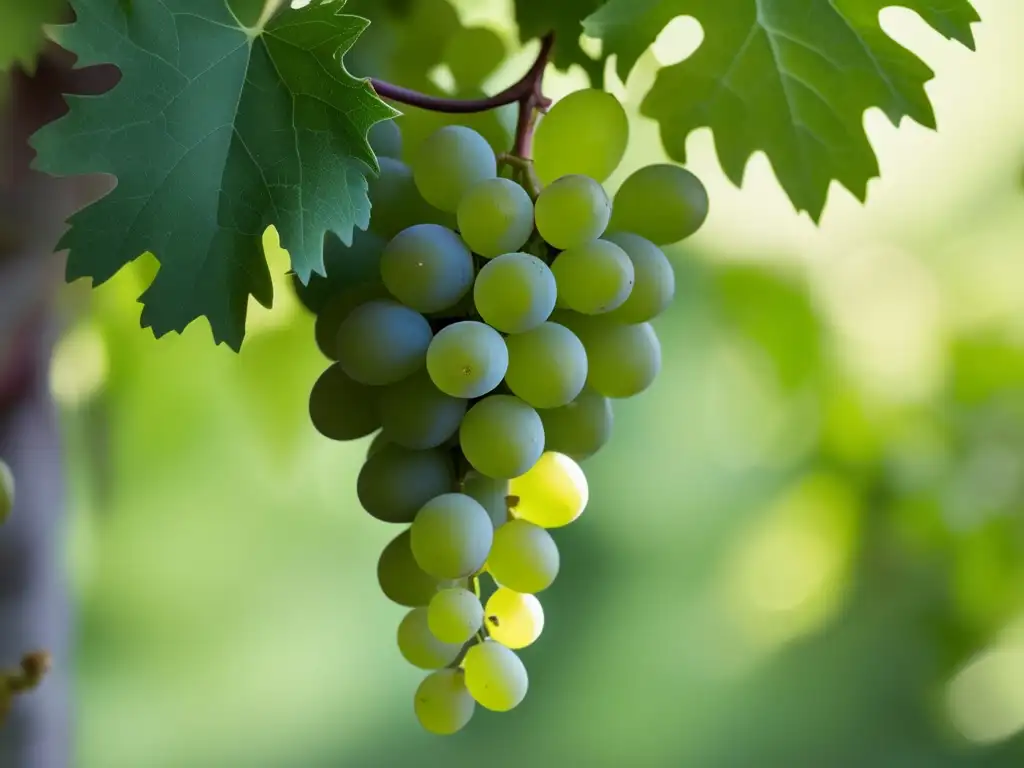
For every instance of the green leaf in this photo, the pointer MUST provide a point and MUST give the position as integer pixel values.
(214, 132)
(538, 17)
(21, 30)
(790, 77)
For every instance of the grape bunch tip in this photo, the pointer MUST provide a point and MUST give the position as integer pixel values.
(484, 345)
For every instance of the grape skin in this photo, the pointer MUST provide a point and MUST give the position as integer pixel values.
(418, 645)
(515, 292)
(581, 428)
(345, 266)
(513, 619)
(654, 282)
(382, 342)
(449, 162)
(395, 203)
(451, 536)
(584, 133)
(501, 436)
(492, 495)
(343, 409)
(624, 360)
(523, 557)
(467, 359)
(401, 580)
(572, 211)
(338, 307)
(553, 493)
(593, 278)
(455, 615)
(663, 203)
(442, 702)
(495, 676)
(385, 139)
(547, 367)
(396, 482)
(414, 413)
(495, 216)
(427, 267)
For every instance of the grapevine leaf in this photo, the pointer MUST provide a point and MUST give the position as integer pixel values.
(538, 17)
(790, 77)
(214, 132)
(21, 30)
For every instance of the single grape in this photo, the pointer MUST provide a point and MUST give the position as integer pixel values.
(427, 267)
(523, 557)
(583, 133)
(6, 491)
(572, 211)
(419, 646)
(663, 203)
(401, 580)
(515, 292)
(581, 428)
(414, 413)
(455, 615)
(336, 309)
(501, 436)
(495, 677)
(624, 359)
(385, 139)
(467, 359)
(552, 494)
(449, 162)
(451, 536)
(346, 266)
(654, 282)
(593, 278)
(395, 202)
(343, 409)
(491, 493)
(396, 482)
(495, 216)
(382, 342)
(547, 367)
(442, 703)
(513, 619)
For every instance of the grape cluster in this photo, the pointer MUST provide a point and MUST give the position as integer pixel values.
(483, 324)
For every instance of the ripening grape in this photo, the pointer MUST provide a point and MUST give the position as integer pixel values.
(401, 580)
(343, 409)
(467, 359)
(501, 436)
(337, 307)
(547, 367)
(523, 557)
(451, 536)
(427, 267)
(623, 359)
(654, 282)
(382, 342)
(663, 203)
(442, 703)
(449, 162)
(396, 482)
(455, 615)
(495, 216)
(395, 203)
(414, 413)
(593, 278)
(552, 494)
(385, 139)
(513, 619)
(572, 211)
(581, 428)
(6, 491)
(419, 646)
(495, 677)
(584, 133)
(515, 292)
(491, 493)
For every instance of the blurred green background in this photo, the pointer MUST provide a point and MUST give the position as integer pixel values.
(805, 544)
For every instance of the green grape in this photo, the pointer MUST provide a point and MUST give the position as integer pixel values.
(6, 491)
(377, 445)
(513, 619)
(495, 216)
(523, 557)
(552, 494)
(337, 308)
(427, 267)
(572, 211)
(467, 359)
(451, 536)
(449, 162)
(593, 278)
(346, 266)
(395, 482)
(586, 133)
(401, 580)
(382, 342)
(416, 414)
(343, 409)
(624, 359)
(581, 428)
(501, 436)
(547, 367)
(455, 615)
(515, 292)
(663, 203)
(418, 645)
(385, 139)
(491, 493)
(442, 703)
(654, 282)
(395, 202)
(495, 677)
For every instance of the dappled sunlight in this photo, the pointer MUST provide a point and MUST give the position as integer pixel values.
(680, 38)
(79, 366)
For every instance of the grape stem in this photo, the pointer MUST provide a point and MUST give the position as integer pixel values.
(526, 92)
